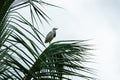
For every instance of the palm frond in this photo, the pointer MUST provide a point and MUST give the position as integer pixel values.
(5, 32)
(36, 10)
(57, 61)
(21, 47)
(62, 58)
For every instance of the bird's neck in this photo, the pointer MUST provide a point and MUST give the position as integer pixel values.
(54, 30)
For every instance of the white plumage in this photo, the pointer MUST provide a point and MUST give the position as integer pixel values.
(50, 35)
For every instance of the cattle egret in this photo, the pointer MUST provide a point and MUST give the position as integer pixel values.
(50, 35)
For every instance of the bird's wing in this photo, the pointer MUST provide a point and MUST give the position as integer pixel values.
(54, 34)
(49, 37)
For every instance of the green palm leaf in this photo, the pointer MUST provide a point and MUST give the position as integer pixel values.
(5, 32)
(62, 58)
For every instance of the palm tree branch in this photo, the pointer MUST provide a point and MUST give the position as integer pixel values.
(58, 61)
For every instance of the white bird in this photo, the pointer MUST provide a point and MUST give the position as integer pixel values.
(50, 35)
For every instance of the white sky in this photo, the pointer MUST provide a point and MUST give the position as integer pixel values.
(92, 19)
(98, 20)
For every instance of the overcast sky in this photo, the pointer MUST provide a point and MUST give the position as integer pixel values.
(98, 20)
(92, 19)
